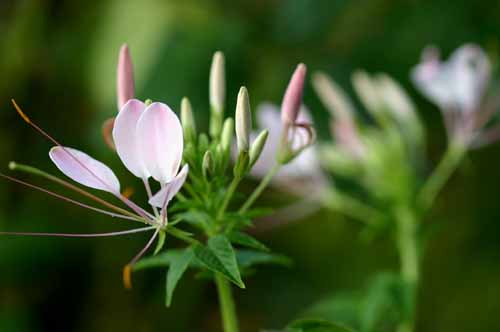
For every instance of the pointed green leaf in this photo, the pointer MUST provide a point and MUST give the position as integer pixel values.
(178, 266)
(222, 248)
(246, 240)
(219, 257)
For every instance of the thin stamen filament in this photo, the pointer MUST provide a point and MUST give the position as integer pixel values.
(48, 176)
(112, 214)
(150, 194)
(82, 235)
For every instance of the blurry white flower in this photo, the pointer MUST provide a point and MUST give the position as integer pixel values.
(457, 86)
(304, 166)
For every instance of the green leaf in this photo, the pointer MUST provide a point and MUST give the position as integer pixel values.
(162, 260)
(178, 266)
(219, 257)
(317, 325)
(246, 240)
(160, 243)
(248, 258)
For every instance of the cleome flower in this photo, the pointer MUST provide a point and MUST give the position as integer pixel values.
(148, 139)
(458, 86)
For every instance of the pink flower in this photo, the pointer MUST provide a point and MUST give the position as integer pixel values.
(149, 141)
(457, 86)
(304, 166)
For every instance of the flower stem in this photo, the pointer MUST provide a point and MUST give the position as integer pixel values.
(407, 243)
(260, 188)
(226, 302)
(441, 174)
(351, 207)
(228, 196)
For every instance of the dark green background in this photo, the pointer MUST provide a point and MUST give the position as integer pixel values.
(57, 58)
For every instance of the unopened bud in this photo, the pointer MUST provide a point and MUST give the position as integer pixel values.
(258, 146)
(332, 96)
(207, 163)
(227, 135)
(243, 120)
(217, 93)
(292, 99)
(125, 85)
(366, 90)
(187, 121)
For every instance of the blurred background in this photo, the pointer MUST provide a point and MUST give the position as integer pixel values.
(58, 59)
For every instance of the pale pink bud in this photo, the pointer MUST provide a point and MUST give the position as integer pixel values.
(293, 95)
(125, 85)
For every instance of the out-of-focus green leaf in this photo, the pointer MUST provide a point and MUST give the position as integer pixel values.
(246, 240)
(219, 257)
(317, 325)
(248, 258)
(178, 266)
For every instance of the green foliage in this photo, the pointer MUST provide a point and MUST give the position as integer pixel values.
(246, 240)
(219, 256)
(317, 325)
(178, 266)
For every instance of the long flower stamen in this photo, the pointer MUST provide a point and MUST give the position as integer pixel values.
(112, 214)
(128, 202)
(150, 194)
(48, 176)
(127, 270)
(82, 235)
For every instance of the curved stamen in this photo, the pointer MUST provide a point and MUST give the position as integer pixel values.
(112, 214)
(82, 235)
(48, 176)
(127, 270)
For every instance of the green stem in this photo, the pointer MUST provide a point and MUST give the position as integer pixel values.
(226, 302)
(407, 244)
(260, 188)
(441, 174)
(350, 207)
(228, 196)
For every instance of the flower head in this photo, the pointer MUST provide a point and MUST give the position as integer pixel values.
(458, 87)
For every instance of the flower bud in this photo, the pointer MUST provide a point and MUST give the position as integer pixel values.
(243, 120)
(187, 120)
(332, 96)
(207, 164)
(366, 90)
(258, 146)
(217, 93)
(125, 85)
(227, 135)
(292, 99)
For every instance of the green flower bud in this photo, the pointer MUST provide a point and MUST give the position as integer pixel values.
(217, 93)
(227, 135)
(257, 147)
(243, 120)
(187, 120)
(207, 164)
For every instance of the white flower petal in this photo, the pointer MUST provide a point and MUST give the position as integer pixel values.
(160, 141)
(165, 195)
(84, 169)
(125, 137)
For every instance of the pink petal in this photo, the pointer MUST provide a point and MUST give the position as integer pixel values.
(162, 197)
(160, 141)
(125, 137)
(125, 85)
(85, 170)
(293, 95)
